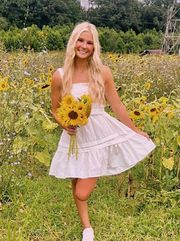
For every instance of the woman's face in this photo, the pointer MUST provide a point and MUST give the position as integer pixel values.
(84, 46)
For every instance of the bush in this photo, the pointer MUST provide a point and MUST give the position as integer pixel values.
(56, 39)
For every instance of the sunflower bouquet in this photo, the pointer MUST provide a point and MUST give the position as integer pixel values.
(74, 112)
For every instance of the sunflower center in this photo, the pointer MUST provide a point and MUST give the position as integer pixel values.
(153, 109)
(73, 115)
(137, 112)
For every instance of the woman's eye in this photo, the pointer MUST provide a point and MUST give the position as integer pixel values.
(80, 40)
(90, 43)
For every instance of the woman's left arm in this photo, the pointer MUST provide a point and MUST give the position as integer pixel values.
(117, 106)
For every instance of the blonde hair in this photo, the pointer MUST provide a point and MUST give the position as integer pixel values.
(96, 83)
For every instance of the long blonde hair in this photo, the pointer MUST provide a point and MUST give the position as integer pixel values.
(96, 83)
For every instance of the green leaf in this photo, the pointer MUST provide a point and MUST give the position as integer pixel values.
(43, 157)
(18, 144)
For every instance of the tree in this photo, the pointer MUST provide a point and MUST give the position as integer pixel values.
(154, 14)
(24, 13)
(118, 14)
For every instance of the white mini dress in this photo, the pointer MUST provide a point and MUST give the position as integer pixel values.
(105, 145)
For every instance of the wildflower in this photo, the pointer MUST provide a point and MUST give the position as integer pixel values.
(25, 62)
(28, 81)
(26, 73)
(168, 163)
(136, 114)
(163, 100)
(153, 111)
(170, 114)
(4, 85)
(147, 85)
(51, 69)
(140, 100)
(143, 99)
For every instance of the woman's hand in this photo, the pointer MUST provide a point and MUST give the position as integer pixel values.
(143, 134)
(71, 130)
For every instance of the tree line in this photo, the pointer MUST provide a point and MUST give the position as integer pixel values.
(121, 15)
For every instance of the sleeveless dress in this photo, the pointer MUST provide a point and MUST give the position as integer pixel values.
(105, 145)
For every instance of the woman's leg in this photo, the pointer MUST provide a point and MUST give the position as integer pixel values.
(82, 189)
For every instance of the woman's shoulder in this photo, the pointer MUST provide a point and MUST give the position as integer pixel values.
(59, 72)
(57, 76)
(106, 72)
(105, 67)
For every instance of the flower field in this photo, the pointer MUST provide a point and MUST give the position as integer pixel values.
(148, 86)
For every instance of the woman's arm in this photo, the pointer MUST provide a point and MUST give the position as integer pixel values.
(56, 89)
(56, 94)
(117, 106)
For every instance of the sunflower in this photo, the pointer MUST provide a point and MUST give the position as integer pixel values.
(51, 69)
(136, 114)
(153, 111)
(74, 117)
(68, 100)
(140, 100)
(4, 85)
(81, 107)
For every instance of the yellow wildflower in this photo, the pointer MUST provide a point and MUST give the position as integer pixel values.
(170, 114)
(28, 81)
(51, 69)
(168, 163)
(163, 100)
(153, 111)
(136, 114)
(25, 62)
(147, 85)
(4, 85)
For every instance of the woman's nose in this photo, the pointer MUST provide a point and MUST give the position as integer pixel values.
(84, 44)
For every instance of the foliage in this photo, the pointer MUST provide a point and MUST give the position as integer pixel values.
(56, 39)
(34, 206)
(53, 12)
(130, 14)
(29, 133)
(121, 15)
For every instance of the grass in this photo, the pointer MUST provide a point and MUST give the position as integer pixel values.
(36, 207)
(42, 209)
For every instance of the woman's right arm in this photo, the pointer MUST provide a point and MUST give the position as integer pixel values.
(56, 90)
(56, 95)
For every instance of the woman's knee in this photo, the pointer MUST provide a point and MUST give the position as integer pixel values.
(82, 196)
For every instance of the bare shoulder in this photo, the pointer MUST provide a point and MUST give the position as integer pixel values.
(107, 74)
(57, 79)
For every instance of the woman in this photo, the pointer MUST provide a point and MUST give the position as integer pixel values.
(106, 146)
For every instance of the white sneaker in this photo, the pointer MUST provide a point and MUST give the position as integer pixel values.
(88, 234)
